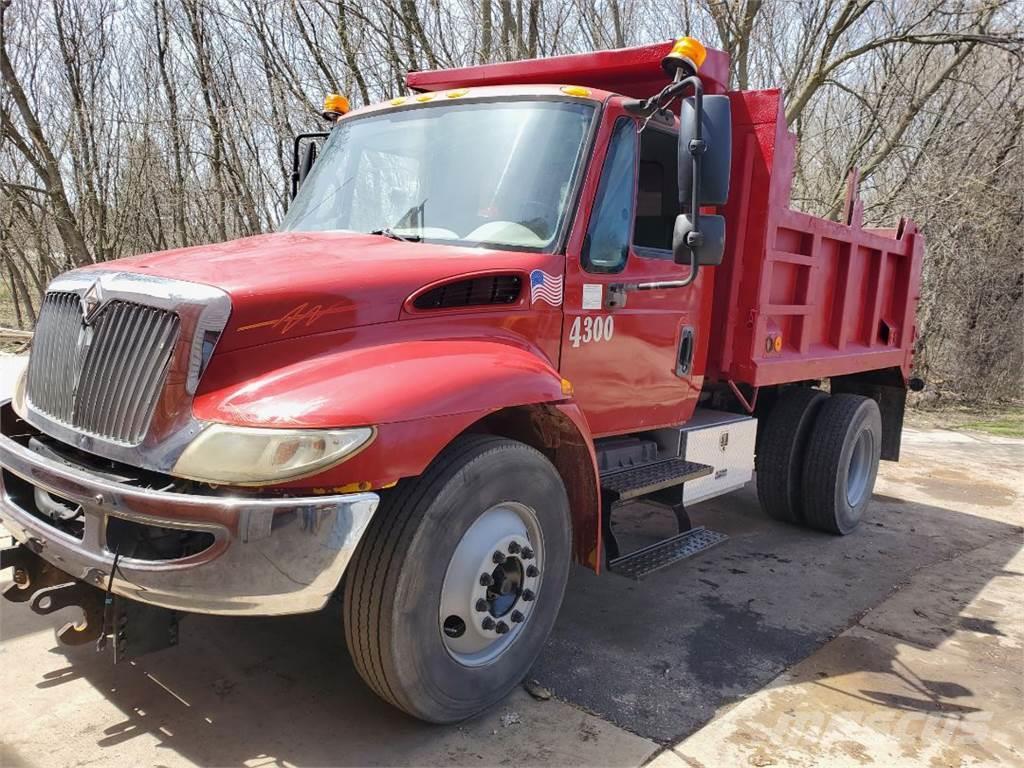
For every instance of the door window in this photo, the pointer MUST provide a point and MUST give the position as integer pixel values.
(657, 194)
(606, 245)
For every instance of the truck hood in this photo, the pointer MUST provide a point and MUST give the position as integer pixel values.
(293, 284)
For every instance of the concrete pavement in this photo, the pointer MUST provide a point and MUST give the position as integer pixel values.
(932, 677)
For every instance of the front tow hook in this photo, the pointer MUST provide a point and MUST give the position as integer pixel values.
(47, 589)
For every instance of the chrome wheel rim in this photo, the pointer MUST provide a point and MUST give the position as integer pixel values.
(860, 468)
(491, 585)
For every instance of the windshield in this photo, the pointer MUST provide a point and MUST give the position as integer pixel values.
(497, 174)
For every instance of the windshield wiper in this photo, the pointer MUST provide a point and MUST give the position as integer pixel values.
(389, 232)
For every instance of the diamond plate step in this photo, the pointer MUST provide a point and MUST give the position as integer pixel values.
(639, 481)
(648, 559)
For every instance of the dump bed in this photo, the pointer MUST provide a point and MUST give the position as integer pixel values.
(799, 297)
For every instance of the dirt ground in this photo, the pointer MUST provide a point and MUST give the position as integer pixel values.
(900, 644)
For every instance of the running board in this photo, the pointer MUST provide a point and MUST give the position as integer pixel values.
(634, 482)
(653, 557)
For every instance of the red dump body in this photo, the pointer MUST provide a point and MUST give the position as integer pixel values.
(837, 297)
(841, 297)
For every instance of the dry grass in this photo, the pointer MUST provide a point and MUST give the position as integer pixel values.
(1006, 420)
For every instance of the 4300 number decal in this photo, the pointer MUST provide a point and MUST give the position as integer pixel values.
(589, 328)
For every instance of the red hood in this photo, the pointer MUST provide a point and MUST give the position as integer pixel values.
(293, 284)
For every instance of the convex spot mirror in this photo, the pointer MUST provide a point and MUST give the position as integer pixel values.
(708, 252)
(716, 160)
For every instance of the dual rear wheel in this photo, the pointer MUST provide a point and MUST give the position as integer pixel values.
(817, 459)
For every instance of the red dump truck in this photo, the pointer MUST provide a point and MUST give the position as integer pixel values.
(496, 310)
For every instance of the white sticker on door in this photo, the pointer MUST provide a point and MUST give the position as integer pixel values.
(593, 295)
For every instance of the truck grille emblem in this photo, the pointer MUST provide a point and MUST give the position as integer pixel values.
(90, 302)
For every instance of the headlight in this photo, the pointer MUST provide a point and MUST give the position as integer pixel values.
(223, 454)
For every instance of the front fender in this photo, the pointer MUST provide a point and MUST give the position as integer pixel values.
(420, 394)
(374, 385)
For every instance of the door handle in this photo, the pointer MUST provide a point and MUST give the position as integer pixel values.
(616, 295)
(684, 360)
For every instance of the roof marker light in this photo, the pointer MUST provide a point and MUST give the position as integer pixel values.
(425, 96)
(457, 93)
(575, 90)
(397, 101)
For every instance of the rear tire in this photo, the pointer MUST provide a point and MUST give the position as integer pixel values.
(781, 451)
(415, 605)
(842, 463)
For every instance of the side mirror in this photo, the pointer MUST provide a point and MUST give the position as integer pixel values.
(303, 157)
(716, 157)
(309, 153)
(707, 244)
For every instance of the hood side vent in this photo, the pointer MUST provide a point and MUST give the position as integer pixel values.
(472, 292)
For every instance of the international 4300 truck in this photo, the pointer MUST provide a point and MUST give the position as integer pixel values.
(496, 309)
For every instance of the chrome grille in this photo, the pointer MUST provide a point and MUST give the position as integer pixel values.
(103, 378)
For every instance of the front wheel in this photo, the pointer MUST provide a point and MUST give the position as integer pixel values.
(456, 584)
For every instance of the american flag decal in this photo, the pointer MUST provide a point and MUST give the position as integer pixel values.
(545, 287)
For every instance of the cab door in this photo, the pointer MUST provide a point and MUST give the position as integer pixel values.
(638, 364)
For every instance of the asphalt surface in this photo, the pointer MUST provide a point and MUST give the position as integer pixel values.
(634, 666)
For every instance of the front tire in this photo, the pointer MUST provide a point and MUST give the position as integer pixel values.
(842, 463)
(435, 623)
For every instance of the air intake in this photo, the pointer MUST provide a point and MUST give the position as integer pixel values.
(472, 292)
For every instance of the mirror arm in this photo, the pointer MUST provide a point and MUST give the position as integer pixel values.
(697, 147)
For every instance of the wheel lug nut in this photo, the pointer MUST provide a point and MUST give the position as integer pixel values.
(528, 595)
(487, 623)
(486, 580)
(481, 605)
(516, 617)
(513, 548)
(532, 572)
(502, 628)
(527, 553)
(498, 557)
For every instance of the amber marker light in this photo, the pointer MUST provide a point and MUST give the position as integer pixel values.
(686, 49)
(336, 104)
(575, 90)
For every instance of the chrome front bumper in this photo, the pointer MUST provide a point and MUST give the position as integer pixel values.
(268, 557)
